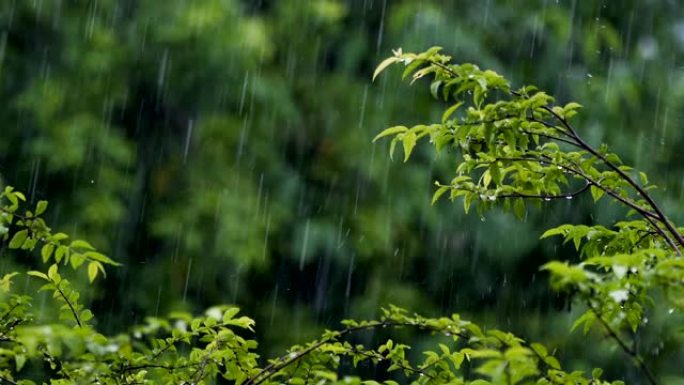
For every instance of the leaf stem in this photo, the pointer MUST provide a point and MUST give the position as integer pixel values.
(71, 306)
(625, 348)
(288, 359)
(7, 380)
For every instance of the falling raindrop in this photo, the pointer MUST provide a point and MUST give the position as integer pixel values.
(305, 244)
(243, 93)
(188, 135)
(381, 28)
(187, 279)
(162, 69)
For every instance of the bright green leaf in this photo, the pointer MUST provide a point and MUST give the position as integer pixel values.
(18, 239)
(384, 64)
(41, 207)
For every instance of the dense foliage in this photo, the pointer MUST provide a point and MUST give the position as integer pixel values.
(514, 146)
(508, 149)
(196, 350)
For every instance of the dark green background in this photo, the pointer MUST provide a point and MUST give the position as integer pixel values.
(221, 150)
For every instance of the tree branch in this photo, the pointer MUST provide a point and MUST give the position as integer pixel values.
(71, 306)
(398, 364)
(625, 348)
(640, 190)
(569, 195)
(7, 380)
(288, 359)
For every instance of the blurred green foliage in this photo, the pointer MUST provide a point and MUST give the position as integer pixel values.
(220, 149)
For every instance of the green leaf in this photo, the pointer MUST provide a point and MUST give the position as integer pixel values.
(58, 237)
(434, 88)
(596, 373)
(370, 382)
(390, 131)
(243, 322)
(552, 362)
(596, 193)
(613, 158)
(410, 67)
(422, 72)
(587, 319)
(495, 172)
(18, 239)
(38, 274)
(41, 207)
(76, 260)
(409, 141)
(457, 359)
(19, 360)
(577, 241)
(230, 313)
(552, 232)
(86, 315)
(6, 281)
(52, 271)
(572, 106)
(92, 271)
(384, 64)
(100, 257)
(81, 244)
(539, 349)
(519, 208)
(61, 251)
(467, 201)
(450, 111)
(486, 179)
(440, 191)
(46, 251)
(430, 52)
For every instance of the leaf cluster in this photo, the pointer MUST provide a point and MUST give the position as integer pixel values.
(219, 344)
(516, 148)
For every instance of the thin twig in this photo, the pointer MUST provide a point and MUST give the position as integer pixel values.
(550, 137)
(640, 190)
(625, 348)
(569, 195)
(7, 380)
(398, 364)
(444, 67)
(288, 359)
(71, 307)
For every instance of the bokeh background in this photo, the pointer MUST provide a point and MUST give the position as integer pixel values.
(221, 150)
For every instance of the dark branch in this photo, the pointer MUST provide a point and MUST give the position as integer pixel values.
(286, 360)
(71, 306)
(623, 345)
(7, 380)
(569, 195)
(398, 364)
(640, 190)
